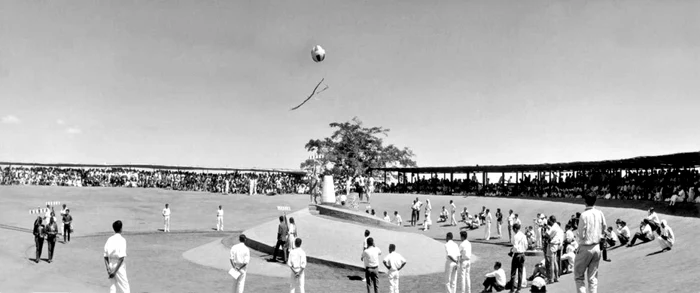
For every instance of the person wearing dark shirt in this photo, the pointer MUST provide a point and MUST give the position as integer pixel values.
(39, 237)
(51, 232)
(67, 226)
(282, 232)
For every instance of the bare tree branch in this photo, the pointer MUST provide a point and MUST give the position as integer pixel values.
(312, 94)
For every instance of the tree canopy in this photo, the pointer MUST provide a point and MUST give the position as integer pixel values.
(352, 149)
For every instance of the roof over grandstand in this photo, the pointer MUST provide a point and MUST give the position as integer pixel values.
(155, 167)
(679, 160)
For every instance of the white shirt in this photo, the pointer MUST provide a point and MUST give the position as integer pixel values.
(654, 218)
(395, 261)
(517, 221)
(511, 219)
(451, 249)
(63, 212)
(591, 226)
(240, 254)
(519, 242)
(500, 276)
(220, 213)
(454, 208)
(465, 250)
(488, 218)
(166, 212)
(364, 243)
(387, 218)
(556, 234)
(398, 220)
(115, 248)
(569, 235)
(624, 231)
(370, 256)
(297, 259)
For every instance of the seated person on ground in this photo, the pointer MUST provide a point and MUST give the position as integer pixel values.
(464, 214)
(495, 280)
(427, 222)
(443, 215)
(610, 237)
(645, 234)
(623, 232)
(569, 257)
(666, 239)
(539, 271)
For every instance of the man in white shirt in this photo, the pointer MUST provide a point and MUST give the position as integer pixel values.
(417, 207)
(220, 219)
(114, 254)
(297, 263)
(511, 221)
(370, 257)
(453, 209)
(239, 258)
(364, 243)
(386, 217)
(590, 233)
(394, 262)
(496, 279)
(370, 188)
(487, 219)
(47, 215)
(645, 234)
(653, 220)
(63, 213)
(623, 232)
(666, 237)
(166, 218)
(518, 254)
(451, 264)
(465, 256)
(397, 218)
(556, 238)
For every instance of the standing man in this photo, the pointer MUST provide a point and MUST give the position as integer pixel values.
(454, 210)
(511, 221)
(451, 264)
(239, 258)
(370, 188)
(282, 232)
(499, 222)
(556, 238)
(297, 263)
(394, 262)
(370, 257)
(220, 219)
(67, 225)
(465, 256)
(418, 206)
(39, 235)
(114, 254)
(47, 215)
(51, 232)
(487, 219)
(166, 218)
(518, 254)
(590, 232)
(63, 213)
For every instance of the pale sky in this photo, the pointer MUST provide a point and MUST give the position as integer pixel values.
(210, 83)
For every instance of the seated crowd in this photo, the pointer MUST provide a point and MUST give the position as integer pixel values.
(245, 183)
(673, 185)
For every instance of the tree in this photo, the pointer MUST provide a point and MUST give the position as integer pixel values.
(353, 149)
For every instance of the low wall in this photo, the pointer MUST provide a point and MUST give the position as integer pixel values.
(358, 217)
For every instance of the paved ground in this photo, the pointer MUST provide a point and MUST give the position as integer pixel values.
(156, 262)
(324, 238)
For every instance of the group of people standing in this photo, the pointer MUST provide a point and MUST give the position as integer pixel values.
(47, 229)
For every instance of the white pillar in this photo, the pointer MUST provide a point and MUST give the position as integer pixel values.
(328, 195)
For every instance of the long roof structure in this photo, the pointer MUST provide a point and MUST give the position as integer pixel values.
(156, 167)
(678, 160)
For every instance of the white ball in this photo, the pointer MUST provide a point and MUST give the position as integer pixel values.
(318, 53)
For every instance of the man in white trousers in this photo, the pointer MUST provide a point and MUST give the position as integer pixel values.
(220, 219)
(465, 256)
(487, 219)
(590, 232)
(166, 218)
(394, 262)
(297, 263)
(240, 257)
(451, 264)
(114, 254)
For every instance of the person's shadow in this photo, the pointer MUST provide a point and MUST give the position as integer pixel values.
(655, 253)
(354, 278)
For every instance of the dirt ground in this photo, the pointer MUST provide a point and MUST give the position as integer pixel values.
(155, 262)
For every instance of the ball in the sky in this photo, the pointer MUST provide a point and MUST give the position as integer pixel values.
(318, 53)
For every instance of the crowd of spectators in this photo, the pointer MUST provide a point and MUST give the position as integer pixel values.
(677, 185)
(237, 182)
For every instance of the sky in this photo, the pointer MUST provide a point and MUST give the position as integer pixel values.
(210, 83)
